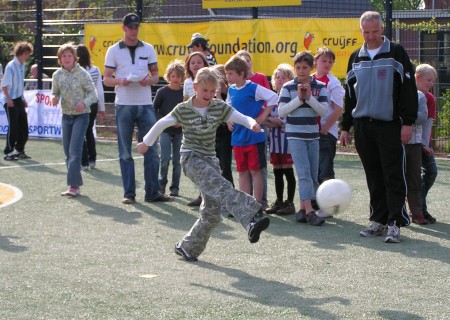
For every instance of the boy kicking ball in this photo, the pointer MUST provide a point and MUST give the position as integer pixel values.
(199, 117)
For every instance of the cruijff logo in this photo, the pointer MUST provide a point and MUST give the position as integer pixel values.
(92, 42)
(307, 40)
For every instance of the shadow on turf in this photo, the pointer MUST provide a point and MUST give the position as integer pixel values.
(397, 315)
(177, 219)
(109, 211)
(7, 245)
(346, 233)
(271, 293)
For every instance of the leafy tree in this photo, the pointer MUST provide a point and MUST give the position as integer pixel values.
(379, 5)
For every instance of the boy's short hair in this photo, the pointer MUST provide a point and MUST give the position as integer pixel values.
(67, 47)
(304, 56)
(424, 69)
(174, 66)
(207, 75)
(324, 51)
(238, 64)
(21, 47)
(285, 69)
(244, 53)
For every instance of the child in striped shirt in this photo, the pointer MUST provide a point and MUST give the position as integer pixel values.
(199, 118)
(302, 100)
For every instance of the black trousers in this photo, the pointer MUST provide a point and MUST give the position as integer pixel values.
(382, 154)
(224, 151)
(17, 135)
(89, 149)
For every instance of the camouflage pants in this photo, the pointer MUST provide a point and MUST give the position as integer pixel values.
(216, 192)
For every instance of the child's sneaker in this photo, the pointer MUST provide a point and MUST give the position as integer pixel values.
(10, 157)
(323, 215)
(255, 227)
(419, 219)
(430, 219)
(85, 167)
(393, 234)
(277, 205)
(300, 216)
(92, 164)
(181, 252)
(71, 192)
(313, 219)
(288, 208)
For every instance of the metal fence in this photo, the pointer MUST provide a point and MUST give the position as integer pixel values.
(424, 32)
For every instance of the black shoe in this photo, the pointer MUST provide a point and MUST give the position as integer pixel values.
(186, 256)
(277, 205)
(313, 219)
(255, 227)
(174, 194)
(161, 198)
(195, 202)
(10, 157)
(129, 200)
(300, 216)
(430, 219)
(288, 208)
(22, 156)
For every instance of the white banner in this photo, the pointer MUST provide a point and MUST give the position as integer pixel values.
(44, 120)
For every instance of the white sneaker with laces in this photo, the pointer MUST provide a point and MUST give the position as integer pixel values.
(393, 234)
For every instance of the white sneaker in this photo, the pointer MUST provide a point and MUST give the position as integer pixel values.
(322, 214)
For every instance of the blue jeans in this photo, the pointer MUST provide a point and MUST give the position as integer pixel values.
(305, 154)
(327, 152)
(429, 174)
(73, 132)
(170, 145)
(127, 116)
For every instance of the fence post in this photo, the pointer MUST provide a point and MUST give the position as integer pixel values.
(388, 28)
(254, 12)
(38, 55)
(139, 9)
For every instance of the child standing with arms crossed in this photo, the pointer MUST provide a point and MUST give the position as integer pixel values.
(166, 99)
(199, 117)
(425, 78)
(280, 158)
(249, 147)
(73, 85)
(301, 101)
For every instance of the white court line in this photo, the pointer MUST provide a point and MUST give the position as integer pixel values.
(56, 163)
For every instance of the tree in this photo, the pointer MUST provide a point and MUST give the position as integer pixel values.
(379, 5)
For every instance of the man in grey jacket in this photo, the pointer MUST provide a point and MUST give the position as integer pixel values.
(381, 103)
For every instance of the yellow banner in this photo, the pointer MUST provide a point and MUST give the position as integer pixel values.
(269, 41)
(217, 4)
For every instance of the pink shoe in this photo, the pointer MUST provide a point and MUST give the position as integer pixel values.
(71, 192)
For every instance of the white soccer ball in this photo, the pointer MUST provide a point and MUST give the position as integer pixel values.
(334, 196)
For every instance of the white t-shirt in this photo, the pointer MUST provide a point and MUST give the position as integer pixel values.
(188, 88)
(118, 57)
